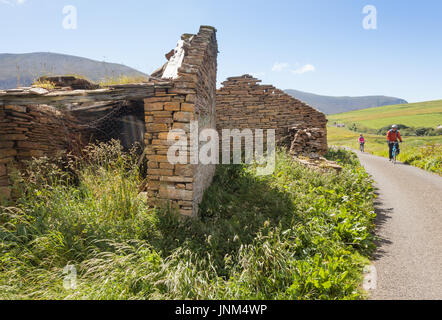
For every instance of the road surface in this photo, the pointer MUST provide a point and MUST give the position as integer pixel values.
(408, 262)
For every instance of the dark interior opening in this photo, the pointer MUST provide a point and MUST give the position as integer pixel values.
(120, 120)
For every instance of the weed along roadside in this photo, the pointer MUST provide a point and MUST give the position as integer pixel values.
(307, 235)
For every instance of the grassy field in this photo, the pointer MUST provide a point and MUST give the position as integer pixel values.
(422, 152)
(306, 236)
(424, 114)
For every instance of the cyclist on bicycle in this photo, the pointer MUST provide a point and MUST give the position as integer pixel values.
(362, 142)
(392, 138)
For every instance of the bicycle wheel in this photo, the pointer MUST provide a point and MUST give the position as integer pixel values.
(394, 154)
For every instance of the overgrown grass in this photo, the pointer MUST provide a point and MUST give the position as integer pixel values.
(296, 234)
(108, 81)
(45, 84)
(428, 157)
(123, 79)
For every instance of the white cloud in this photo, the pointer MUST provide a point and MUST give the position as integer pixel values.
(13, 2)
(279, 66)
(304, 69)
(258, 74)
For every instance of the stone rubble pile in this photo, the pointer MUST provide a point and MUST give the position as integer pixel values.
(319, 164)
(306, 142)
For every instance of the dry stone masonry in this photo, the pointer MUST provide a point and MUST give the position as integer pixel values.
(31, 131)
(242, 102)
(36, 121)
(181, 95)
(192, 68)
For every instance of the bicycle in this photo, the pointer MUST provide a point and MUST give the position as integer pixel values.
(395, 152)
(362, 147)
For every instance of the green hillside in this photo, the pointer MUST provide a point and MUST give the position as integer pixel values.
(422, 114)
(423, 151)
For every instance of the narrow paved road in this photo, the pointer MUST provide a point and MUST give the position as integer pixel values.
(408, 261)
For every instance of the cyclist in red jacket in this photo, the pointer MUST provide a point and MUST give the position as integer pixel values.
(392, 137)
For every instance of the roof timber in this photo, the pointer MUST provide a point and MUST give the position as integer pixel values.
(28, 96)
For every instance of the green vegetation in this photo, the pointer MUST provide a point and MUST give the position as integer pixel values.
(306, 236)
(48, 85)
(122, 79)
(411, 131)
(422, 152)
(417, 122)
(108, 81)
(423, 114)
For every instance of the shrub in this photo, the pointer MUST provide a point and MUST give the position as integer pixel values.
(402, 127)
(428, 157)
(296, 234)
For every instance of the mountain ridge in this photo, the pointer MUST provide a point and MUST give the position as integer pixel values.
(341, 104)
(24, 68)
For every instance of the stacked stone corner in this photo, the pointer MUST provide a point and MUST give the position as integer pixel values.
(192, 98)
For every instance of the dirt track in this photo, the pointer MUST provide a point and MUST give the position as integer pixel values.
(408, 261)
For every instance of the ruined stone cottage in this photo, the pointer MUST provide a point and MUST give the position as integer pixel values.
(36, 122)
(242, 102)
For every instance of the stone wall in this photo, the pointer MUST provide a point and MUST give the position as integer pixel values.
(67, 120)
(192, 68)
(36, 121)
(242, 102)
(181, 95)
(32, 131)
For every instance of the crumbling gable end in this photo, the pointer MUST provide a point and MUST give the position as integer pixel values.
(243, 103)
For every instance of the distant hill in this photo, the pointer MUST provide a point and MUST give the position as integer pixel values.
(31, 66)
(332, 105)
(423, 114)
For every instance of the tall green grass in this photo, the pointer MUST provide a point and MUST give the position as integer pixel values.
(296, 234)
(428, 157)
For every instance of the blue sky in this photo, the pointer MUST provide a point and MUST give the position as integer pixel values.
(318, 46)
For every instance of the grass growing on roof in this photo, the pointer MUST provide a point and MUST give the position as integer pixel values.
(123, 79)
(45, 84)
